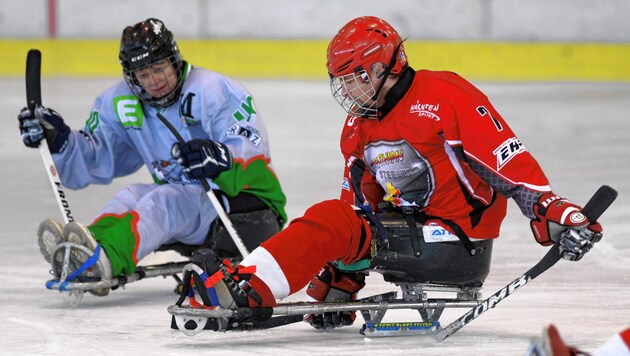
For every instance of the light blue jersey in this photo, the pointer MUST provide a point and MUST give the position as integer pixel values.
(122, 134)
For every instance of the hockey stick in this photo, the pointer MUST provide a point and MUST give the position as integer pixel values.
(33, 99)
(213, 199)
(598, 203)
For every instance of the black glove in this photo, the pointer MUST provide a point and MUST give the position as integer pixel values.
(45, 124)
(332, 285)
(202, 158)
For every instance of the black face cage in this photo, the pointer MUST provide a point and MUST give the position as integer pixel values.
(165, 101)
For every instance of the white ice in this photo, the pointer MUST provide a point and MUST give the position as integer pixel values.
(578, 132)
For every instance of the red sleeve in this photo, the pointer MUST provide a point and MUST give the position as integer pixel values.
(485, 137)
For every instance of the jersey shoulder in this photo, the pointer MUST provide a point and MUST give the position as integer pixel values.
(447, 82)
(214, 84)
(107, 101)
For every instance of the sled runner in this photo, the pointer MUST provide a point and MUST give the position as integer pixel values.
(462, 291)
(191, 320)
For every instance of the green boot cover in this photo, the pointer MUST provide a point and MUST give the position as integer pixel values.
(119, 236)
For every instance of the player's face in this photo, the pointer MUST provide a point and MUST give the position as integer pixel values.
(355, 92)
(358, 88)
(158, 79)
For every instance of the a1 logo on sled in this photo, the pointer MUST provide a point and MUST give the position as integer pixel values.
(433, 232)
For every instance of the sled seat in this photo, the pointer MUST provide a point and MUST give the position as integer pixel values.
(443, 263)
(254, 221)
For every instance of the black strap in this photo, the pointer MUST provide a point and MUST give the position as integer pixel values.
(412, 215)
(388, 69)
(409, 212)
(459, 232)
(185, 289)
(356, 175)
(374, 221)
(201, 289)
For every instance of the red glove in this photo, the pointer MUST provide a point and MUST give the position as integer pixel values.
(332, 285)
(560, 221)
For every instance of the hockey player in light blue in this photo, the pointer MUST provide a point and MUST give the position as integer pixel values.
(226, 143)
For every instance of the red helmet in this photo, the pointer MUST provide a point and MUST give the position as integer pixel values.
(363, 42)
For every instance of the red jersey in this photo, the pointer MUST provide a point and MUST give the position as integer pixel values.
(444, 148)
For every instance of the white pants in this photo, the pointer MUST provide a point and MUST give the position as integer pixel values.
(167, 213)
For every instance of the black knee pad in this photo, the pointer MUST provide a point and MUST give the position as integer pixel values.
(253, 228)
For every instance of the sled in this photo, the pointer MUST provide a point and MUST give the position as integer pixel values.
(253, 220)
(415, 289)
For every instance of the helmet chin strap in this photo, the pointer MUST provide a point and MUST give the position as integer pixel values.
(388, 70)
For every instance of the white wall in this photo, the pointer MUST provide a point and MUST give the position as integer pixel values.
(503, 20)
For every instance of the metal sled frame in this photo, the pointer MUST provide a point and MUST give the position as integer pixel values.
(429, 309)
(191, 320)
(254, 223)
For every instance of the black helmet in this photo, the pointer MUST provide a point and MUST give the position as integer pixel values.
(144, 44)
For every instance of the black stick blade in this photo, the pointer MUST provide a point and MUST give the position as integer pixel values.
(601, 200)
(33, 79)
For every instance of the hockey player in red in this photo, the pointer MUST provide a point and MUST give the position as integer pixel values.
(551, 344)
(427, 147)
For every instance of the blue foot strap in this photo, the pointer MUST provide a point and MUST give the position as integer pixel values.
(87, 264)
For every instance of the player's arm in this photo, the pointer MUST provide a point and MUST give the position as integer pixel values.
(236, 154)
(495, 154)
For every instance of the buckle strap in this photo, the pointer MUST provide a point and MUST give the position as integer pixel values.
(409, 213)
(237, 278)
(459, 232)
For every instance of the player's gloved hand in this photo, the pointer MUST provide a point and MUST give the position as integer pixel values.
(202, 158)
(560, 221)
(44, 124)
(332, 285)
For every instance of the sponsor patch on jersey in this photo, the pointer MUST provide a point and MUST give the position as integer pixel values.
(434, 232)
(397, 174)
(345, 185)
(246, 110)
(508, 150)
(248, 132)
(129, 111)
(425, 110)
(92, 122)
(395, 155)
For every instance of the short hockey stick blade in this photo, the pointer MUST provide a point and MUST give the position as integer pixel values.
(600, 201)
(33, 79)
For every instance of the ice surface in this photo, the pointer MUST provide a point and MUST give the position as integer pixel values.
(578, 132)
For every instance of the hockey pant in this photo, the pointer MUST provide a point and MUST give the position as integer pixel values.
(328, 231)
(143, 217)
